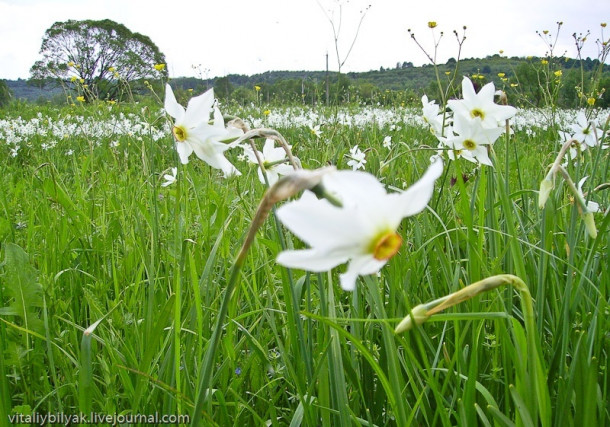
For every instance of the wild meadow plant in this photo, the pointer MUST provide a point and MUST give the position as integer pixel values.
(138, 280)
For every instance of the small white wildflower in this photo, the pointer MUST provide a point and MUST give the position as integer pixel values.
(316, 130)
(357, 158)
(170, 179)
(273, 159)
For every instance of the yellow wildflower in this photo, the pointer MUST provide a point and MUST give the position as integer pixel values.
(432, 24)
(160, 67)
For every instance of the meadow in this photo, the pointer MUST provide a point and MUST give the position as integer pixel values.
(120, 292)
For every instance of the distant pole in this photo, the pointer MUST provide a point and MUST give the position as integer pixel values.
(327, 82)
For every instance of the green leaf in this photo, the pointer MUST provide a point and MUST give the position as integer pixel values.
(22, 288)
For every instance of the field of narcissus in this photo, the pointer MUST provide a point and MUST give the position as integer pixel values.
(353, 265)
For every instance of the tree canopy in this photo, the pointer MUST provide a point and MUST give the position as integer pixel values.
(98, 58)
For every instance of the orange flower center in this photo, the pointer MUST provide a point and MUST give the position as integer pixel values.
(477, 113)
(179, 133)
(386, 245)
(470, 144)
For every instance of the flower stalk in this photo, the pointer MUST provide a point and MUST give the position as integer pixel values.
(420, 313)
(271, 134)
(423, 312)
(286, 187)
(547, 185)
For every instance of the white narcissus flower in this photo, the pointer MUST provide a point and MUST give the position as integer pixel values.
(584, 131)
(194, 133)
(362, 231)
(357, 158)
(387, 142)
(576, 147)
(430, 112)
(316, 130)
(470, 140)
(481, 105)
(170, 179)
(270, 155)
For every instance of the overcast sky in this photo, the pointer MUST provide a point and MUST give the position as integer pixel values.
(248, 36)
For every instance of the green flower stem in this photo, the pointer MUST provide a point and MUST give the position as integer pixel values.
(547, 183)
(277, 162)
(208, 359)
(582, 204)
(284, 188)
(423, 312)
(271, 134)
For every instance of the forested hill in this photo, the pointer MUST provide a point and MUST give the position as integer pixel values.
(404, 75)
(406, 83)
(403, 78)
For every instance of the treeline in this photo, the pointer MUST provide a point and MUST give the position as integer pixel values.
(533, 82)
(529, 82)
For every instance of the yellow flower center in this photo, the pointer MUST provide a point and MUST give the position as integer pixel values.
(386, 245)
(470, 144)
(477, 113)
(179, 133)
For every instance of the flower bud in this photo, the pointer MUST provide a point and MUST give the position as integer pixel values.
(418, 314)
(590, 224)
(545, 189)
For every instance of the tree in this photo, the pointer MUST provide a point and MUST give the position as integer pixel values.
(223, 87)
(5, 93)
(99, 58)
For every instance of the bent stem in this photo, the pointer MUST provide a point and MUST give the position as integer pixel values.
(271, 134)
(423, 312)
(583, 209)
(284, 188)
(548, 183)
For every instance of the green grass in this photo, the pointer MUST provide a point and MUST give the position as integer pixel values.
(95, 240)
